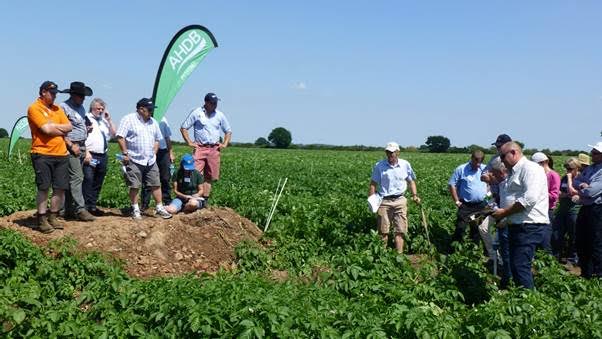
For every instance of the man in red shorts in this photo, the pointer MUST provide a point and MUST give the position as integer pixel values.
(208, 123)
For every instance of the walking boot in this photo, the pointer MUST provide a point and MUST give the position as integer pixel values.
(43, 224)
(54, 221)
(84, 215)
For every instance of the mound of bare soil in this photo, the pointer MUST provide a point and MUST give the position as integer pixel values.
(202, 241)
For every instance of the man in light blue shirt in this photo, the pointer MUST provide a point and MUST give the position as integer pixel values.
(589, 220)
(208, 124)
(469, 192)
(391, 178)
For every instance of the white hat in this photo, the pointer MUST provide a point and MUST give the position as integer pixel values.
(539, 157)
(392, 147)
(597, 146)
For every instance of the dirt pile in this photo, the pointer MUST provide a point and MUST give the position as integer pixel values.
(200, 241)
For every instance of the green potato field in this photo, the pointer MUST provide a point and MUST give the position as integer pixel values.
(341, 281)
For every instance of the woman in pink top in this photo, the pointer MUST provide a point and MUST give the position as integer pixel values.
(553, 194)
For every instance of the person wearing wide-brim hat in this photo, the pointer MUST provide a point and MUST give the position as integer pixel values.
(589, 220)
(75, 206)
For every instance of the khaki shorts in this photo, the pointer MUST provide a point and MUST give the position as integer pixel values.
(393, 212)
(137, 174)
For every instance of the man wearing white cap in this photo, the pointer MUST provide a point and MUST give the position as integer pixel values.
(392, 176)
(589, 220)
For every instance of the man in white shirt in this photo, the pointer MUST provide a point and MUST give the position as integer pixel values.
(526, 211)
(96, 159)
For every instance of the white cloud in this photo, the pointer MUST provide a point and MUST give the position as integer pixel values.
(300, 86)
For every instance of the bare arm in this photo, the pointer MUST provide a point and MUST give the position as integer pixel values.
(227, 138)
(186, 137)
(454, 193)
(124, 150)
(156, 147)
(501, 213)
(372, 189)
(414, 191)
(54, 129)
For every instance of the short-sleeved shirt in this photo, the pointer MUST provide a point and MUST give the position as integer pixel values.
(140, 137)
(188, 181)
(468, 183)
(392, 179)
(165, 131)
(98, 138)
(207, 127)
(76, 115)
(38, 115)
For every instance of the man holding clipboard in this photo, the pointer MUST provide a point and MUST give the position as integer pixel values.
(390, 179)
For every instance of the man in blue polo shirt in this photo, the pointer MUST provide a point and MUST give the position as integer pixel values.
(469, 192)
(392, 176)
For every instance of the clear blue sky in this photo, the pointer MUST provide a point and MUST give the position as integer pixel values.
(331, 72)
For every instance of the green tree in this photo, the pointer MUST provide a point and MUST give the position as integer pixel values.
(280, 137)
(3, 133)
(262, 142)
(437, 144)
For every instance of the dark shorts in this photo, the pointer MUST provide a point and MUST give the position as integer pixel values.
(136, 174)
(51, 170)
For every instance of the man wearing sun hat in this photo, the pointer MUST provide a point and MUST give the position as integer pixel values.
(75, 205)
(208, 124)
(589, 220)
(49, 124)
(390, 179)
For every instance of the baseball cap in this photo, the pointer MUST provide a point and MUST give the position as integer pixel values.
(539, 157)
(392, 147)
(146, 102)
(501, 139)
(49, 86)
(187, 162)
(597, 146)
(212, 98)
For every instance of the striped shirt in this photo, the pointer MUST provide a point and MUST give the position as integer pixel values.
(140, 138)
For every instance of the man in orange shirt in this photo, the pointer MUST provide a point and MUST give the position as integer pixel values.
(49, 124)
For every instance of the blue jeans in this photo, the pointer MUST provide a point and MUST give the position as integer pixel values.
(94, 177)
(524, 238)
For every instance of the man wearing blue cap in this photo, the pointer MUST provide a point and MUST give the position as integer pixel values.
(208, 123)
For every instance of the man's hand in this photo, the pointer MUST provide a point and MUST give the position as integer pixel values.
(192, 144)
(220, 146)
(583, 185)
(499, 213)
(172, 156)
(75, 150)
(126, 160)
(458, 203)
(87, 158)
(416, 199)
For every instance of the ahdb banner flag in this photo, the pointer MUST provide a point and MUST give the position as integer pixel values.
(15, 134)
(185, 51)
